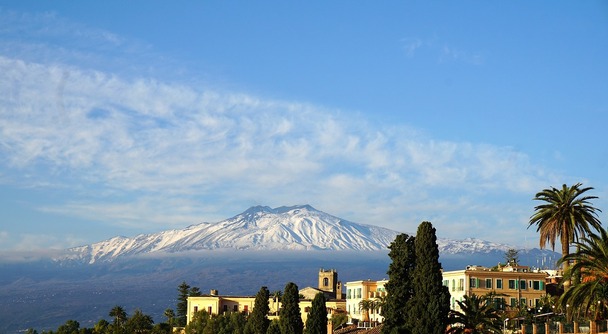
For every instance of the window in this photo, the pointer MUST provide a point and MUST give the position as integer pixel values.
(196, 309)
(522, 284)
(446, 282)
(246, 308)
(235, 308)
(326, 281)
(225, 308)
(348, 294)
(499, 303)
(523, 301)
(513, 302)
(488, 283)
(453, 285)
(461, 284)
(473, 282)
(359, 293)
(538, 285)
(209, 309)
(512, 285)
(499, 283)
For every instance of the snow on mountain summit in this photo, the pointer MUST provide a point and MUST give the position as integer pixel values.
(299, 228)
(258, 228)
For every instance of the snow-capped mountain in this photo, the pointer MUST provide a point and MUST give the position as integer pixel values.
(470, 246)
(262, 228)
(258, 228)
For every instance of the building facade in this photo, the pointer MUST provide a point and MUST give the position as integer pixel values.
(370, 291)
(215, 304)
(513, 286)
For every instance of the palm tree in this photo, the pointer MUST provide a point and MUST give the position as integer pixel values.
(119, 315)
(139, 322)
(478, 316)
(276, 300)
(591, 263)
(567, 214)
(170, 314)
(366, 305)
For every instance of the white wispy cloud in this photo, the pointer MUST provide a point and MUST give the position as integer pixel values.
(444, 52)
(140, 151)
(40, 243)
(160, 146)
(410, 45)
(449, 53)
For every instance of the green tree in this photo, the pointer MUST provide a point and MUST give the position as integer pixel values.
(316, 322)
(236, 323)
(290, 319)
(512, 256)
(139, 322)
(170, 314)
(367, 305)
(276, 299)
(198, 322)
(162, 328)
(566, 214)
(183, 292)
(195, 292)
(591, 262)
(399, 288)
(70, 327)
(430, 303)
(274, 328)
(101, 326)
(477, 316)
(338, 319)
(258, 319)
(120, 317)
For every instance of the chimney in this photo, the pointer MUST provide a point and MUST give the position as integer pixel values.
(213, 292)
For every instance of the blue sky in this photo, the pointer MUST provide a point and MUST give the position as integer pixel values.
(125, 118)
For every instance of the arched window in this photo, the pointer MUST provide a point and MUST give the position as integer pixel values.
(326, 281)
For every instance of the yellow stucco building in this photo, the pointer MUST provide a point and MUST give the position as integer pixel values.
(358, 291)
(517, 286)
(214, 303)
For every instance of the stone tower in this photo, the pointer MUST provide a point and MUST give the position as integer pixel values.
(328, 282)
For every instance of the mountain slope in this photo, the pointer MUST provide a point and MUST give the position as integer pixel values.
(295, 228)
(258, 228)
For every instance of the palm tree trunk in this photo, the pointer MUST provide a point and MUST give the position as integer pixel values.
(565, 251)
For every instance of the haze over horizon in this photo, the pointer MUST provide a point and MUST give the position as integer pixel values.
(125, 119)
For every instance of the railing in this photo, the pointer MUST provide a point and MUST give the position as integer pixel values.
(554, 327)
(367, 324)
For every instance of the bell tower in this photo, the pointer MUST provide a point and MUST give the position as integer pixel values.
(328, 280)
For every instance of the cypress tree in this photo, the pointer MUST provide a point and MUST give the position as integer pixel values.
(399, 288)
(316, 323)
(430, 303)
(274, 327)
(290, 319)
(258, 319)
